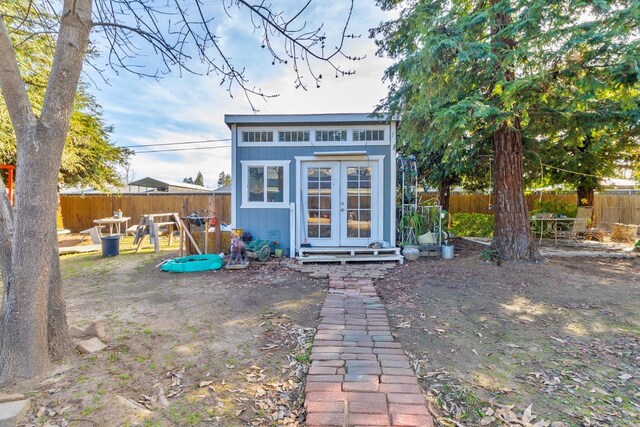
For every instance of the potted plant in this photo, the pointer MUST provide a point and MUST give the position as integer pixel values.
(411, 225)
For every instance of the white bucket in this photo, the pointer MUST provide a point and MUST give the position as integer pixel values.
(447, 252)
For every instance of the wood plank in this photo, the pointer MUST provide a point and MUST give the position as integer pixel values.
(344, 259)
(349, 251)
(79, 249)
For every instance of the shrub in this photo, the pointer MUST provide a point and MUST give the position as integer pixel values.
(472, 224)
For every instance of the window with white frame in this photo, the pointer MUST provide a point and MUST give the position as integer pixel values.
(368, 135)
(331, 135)
(257, 136)
(293, 136)
(265, 184)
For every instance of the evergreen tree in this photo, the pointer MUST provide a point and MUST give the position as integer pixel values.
(89, 158)
(489, 71)
(224, 179)
(199, 179)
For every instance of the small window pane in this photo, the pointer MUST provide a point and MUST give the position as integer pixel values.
(275, 184)
(325, 231)
(368, 135)
(331, 135)
(293, 136)
(254, 136)
(256, 184)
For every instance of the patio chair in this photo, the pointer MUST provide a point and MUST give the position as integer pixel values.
(95, 233)
(580, 229)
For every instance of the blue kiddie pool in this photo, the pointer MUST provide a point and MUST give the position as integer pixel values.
(193, 263)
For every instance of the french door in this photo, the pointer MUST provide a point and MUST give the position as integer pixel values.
(339, 203)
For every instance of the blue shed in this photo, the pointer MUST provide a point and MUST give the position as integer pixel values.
(319, 180)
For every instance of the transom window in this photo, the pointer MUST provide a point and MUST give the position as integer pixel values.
(257, 136)
(368, 135)
(293, 136)
(331, 135)
(265, 184)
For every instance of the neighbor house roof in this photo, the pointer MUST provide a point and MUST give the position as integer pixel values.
(302, 119)
(225, 189)
(157, 183)
(619, 183)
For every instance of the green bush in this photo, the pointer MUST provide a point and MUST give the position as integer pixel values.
(472, 224)
(556, 207)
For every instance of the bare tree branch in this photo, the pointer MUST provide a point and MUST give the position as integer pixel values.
(73, 39)
(179, 32)
(6, 233)
(13, 87)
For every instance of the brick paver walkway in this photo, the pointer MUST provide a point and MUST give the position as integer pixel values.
(359, 375)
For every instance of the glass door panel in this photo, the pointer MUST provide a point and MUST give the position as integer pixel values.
(321, 204)
(357, 203)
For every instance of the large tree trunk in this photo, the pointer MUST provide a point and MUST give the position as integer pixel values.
(586, 196)
(444, 195)
(33, 319)
(512, 233)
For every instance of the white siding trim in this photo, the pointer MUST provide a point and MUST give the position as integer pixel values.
(376, 157)
(394, 185)
(234, 205)
(292, 230)
(312, 136)
(298, 240)
(246, 204)
(381, 176)
(379, 158)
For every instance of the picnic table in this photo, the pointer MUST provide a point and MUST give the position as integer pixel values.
(113, 222)
(549, 225)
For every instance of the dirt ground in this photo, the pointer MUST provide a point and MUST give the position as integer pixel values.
(215, 348)
(562, 336)
(229, 348)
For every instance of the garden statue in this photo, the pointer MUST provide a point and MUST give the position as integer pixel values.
(237, 252)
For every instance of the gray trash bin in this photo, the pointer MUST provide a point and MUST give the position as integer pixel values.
(110, 246)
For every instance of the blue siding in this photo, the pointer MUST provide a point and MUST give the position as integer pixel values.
(262, 223)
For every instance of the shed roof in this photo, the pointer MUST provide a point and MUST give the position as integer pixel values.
(304, 119)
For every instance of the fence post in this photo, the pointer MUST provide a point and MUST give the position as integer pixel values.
(216, 210)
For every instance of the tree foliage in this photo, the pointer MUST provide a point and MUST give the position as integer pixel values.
(199, 179)
(575, 89)
(89, 158)
(33, 322)
(224, 179)
(560, 76)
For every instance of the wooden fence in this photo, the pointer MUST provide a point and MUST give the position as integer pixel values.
(608, 208)
(79, 211)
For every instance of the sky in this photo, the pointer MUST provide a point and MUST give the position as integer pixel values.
(185, 107)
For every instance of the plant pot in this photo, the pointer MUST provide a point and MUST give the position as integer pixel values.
(447, 252)
(278, 252)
